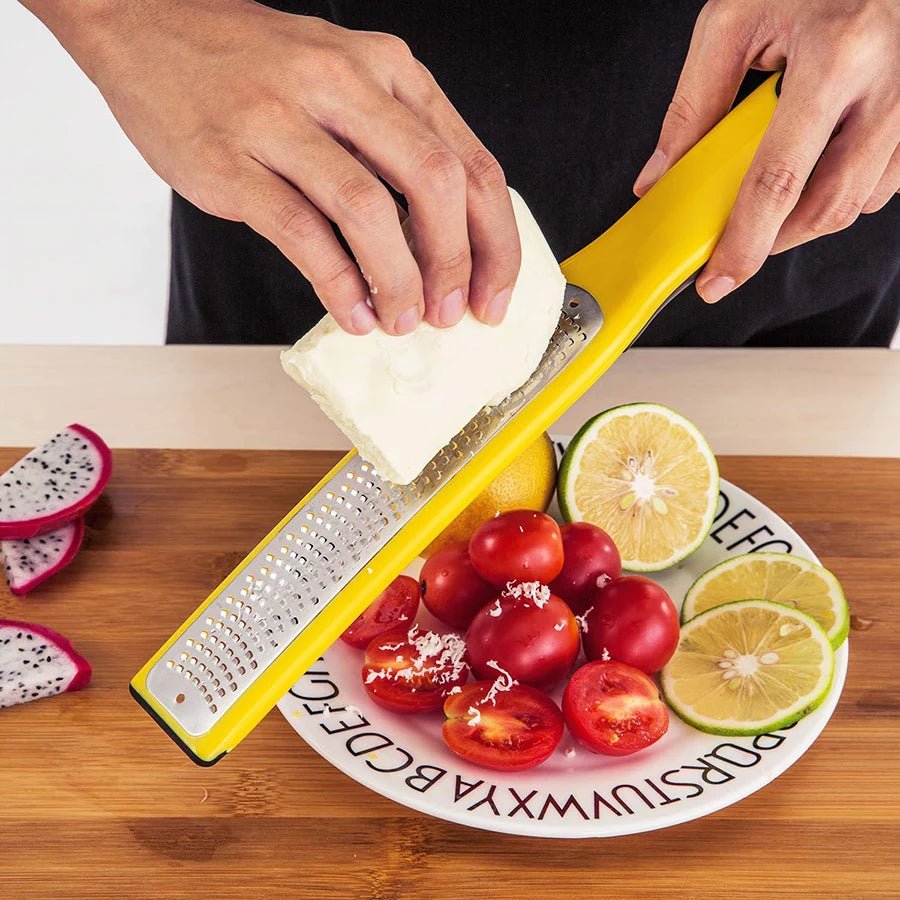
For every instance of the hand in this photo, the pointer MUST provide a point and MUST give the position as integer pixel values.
(840, 100)
(285, 122)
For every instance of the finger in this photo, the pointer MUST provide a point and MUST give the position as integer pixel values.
(275, 209)
(717, 60)
(887, 187)
(402, 212)
(493, 234)
(800, 128)
(841, 185)
(414, 160)
(362, 208)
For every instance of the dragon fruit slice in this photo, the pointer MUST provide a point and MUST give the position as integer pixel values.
(54, 484)
(28, 562)
(36, 662)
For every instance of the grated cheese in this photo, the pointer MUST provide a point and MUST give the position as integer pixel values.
(503, 683)
(582, 620)
(529, 590)
(438, 657)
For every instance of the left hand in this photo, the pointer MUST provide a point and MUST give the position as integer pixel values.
(832, 149)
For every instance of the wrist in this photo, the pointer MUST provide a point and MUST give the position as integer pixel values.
(84, 28)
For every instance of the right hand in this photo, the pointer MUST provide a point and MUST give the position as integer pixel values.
(280, 121)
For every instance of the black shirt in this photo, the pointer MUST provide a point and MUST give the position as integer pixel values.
(570, 104)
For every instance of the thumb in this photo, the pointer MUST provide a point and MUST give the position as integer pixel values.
(716, 63)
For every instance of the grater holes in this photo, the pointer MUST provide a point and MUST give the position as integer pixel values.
(327, 543)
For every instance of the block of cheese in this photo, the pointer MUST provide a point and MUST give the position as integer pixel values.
(401, 399)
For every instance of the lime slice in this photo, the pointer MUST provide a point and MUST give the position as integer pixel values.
(748, 667)
(780, 577)
(647, 477)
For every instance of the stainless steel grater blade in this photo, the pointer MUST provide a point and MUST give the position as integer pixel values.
(288, 583)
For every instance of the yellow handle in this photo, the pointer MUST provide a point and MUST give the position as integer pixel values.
(670, 233)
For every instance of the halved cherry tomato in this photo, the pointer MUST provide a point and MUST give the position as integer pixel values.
(634, 621)
(510, 729)
(590, 556)
(451, 588)
(521, 545)
(396, 605)
(614, 709)
(408, 670)
(527, 632)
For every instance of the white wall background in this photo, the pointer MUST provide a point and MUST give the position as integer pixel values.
(84, 242)
(83, 219)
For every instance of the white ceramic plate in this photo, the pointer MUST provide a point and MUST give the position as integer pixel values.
(685, 775)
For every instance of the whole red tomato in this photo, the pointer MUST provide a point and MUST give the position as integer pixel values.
(521, 545)
(590, 556)
(614, 709)
(527, 633)
(451, 588)
(396, 605)
(634, 621)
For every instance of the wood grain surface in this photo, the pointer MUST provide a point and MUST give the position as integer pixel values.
(96, 802)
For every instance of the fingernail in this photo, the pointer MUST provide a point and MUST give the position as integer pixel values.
(407, 321)
(362, 318)
(649, 175)
(496, 309)
(452, 308)
(716, 288)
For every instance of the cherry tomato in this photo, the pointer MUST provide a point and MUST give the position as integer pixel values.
(408, 670)
(521, 545)
(590, 554)
(396, 605)
(614, 709)
(633, 621)
(526, 632)
(510, 729)
(451, 588)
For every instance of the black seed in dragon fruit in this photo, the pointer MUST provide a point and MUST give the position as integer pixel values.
(54, 484)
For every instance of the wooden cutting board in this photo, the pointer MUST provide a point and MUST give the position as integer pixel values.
(96, 802)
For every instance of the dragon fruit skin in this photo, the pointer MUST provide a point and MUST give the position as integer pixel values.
(54, 484)
(36, 662)
(28, 563)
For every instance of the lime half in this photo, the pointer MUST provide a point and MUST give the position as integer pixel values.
(780, 577)
(646, 476)
(748, 667)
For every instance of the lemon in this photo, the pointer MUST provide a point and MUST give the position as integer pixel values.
(748, 667)
(528, 483)
(645, 475)
(774, 576)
